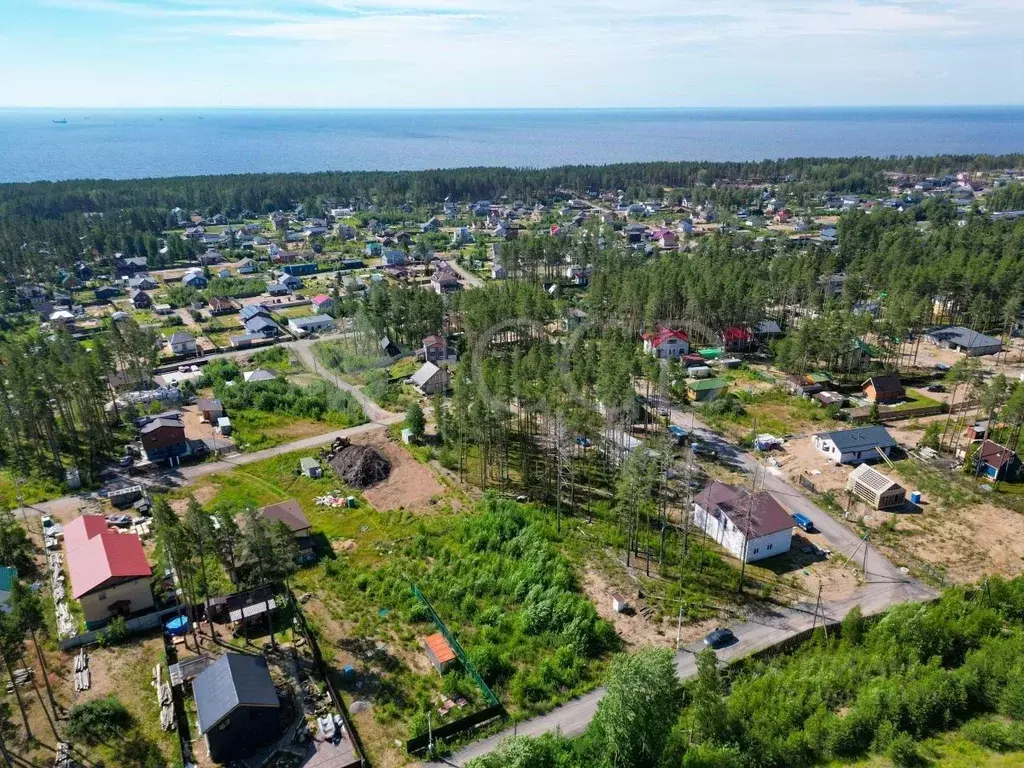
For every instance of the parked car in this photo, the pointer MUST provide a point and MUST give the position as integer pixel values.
(936, 388)
(125, 461)
(699, 449)
(803, 522)
(719, 637)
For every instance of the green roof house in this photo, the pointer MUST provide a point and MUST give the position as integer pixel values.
(705, 389)
(8, 576)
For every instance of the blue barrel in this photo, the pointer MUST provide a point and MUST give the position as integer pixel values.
(915, 497)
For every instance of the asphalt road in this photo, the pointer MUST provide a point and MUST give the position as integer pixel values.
(884, 586)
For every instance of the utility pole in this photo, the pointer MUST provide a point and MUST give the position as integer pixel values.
(817, 605)
(679, 626)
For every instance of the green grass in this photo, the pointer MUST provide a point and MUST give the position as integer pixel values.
(948, 750)
(33, 490)
(914, 399)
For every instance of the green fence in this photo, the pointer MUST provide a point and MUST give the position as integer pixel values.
(456, 648)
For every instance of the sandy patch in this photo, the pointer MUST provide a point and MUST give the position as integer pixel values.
(410, 485)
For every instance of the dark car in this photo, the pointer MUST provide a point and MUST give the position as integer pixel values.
(936, 388)
(719, 637)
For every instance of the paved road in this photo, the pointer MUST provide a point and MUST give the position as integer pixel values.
(885, 585)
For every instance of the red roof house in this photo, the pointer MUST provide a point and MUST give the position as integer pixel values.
(737, 338)
(109, 571)
(666, 343)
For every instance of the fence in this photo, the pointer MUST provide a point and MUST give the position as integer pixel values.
(805, 481)
(491, 712)
(864, 414)
(134, 626)
(325, 674)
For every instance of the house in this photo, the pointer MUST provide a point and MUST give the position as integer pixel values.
(310, 468)
(323, 303)
(182, 343)
(883, 390)
(970, 343)
(130, 265)
(109, 571)
(461, 236)
(870, 485)
(388, 348)
(297, 270)
(766, 330)
(311, 324)
(106, 292)
(666, 238)
(701, 390)
(737, 339)
(431, 380)
(435, 349)
(279, 221)
(855, 446)
(574, 318)
(289, 514)
(210, 257)
(246, 267)
(220, 305)
(255, 377)
(666, 343)
(236, 706)
(209, 409)
(195, 280)
(997, 462)
(260, 325)
(751, 526)
(278, 289)
(61, 318)
(141, 300)
(250, 311)
(373, 249)
(444, 280)
(393, 258)
(142, 282)
(289, 281)
(8, 576)
(439, 652)
(163, 438)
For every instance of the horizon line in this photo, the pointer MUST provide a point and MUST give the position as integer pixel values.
(255, 108)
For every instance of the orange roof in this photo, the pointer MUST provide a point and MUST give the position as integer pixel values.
(440, 648)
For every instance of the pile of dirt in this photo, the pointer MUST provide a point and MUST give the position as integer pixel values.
(360, 466)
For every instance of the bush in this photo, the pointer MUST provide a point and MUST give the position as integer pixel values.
(994, 735)
(903, 751)
(100, 720)
(114, 633)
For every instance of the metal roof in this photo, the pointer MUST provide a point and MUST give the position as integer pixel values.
(105, 557)
(860, 438)
(755, 516)
(872, 479)
(233, 681)
(963, 337)
(288, 512)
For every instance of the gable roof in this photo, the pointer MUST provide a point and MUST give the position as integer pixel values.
(767, 326)
(162, 421)
(860, 438)
(872, 478)
(250, 311)
(288, 512)
(181, 337)
(103, 557)
(434, 341)
(888, 384)
(663, 334)
(258, 323)
(8, 576)
(994, 454)
(233, 681)
(754, 515)
(83, 528)
(962, 337)
(426, 372)
(254, 377)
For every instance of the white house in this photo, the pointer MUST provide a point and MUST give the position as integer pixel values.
(182, 343)
(855, 446)
(666, 343)
(311, 324)
(750, 526)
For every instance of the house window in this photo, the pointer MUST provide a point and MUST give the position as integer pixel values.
(769, 546)
(756, 550)
(224, 724)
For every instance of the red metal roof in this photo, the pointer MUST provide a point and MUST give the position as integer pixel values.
(440, 648)
(83, 528)
(94, 560)
(662, 334)
(737, 333)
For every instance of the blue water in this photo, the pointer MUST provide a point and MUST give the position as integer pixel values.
(127, 144)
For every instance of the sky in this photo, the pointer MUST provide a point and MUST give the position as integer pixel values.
(510, 53)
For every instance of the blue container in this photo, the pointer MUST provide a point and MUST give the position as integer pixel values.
(177, 626)
(915, 497)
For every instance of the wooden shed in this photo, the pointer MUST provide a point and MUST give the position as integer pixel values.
(439, 652)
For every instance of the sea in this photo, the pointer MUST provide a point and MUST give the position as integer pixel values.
(37, 144)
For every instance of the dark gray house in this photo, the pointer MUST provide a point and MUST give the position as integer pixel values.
(236, 706)
(971, 343)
